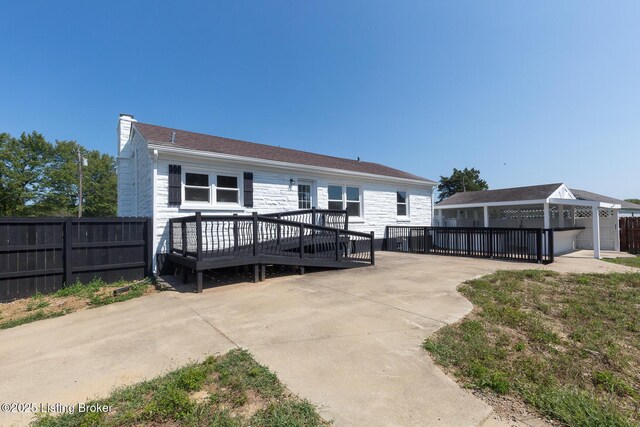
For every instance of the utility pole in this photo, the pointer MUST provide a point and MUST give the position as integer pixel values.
(81, 162)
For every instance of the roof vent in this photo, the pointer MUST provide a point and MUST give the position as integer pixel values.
(173, 137)
(358, 158)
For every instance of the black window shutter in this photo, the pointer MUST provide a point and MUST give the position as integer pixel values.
(175, 187)
(248, 189)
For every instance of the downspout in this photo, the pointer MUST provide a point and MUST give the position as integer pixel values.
(154, 219)
(135, 181)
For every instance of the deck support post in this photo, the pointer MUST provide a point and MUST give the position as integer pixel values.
(198, 282)
(185, 275)
(263, 272)
(301, 270)
(256, 273)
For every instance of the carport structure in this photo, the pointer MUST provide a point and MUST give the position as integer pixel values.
(580, 219)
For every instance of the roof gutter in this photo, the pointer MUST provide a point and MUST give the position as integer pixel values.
(284, 165)
(566, 202)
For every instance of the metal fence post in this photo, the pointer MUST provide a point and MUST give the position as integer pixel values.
(255, 234)
(373, 252)
(539, 244)
(68, 251)
(183, 227)
(198, 235)
(337, 245)
(550, 245)
(301, 240)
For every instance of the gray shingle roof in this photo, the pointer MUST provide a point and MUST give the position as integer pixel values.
(197, 141)
(588, 195)
(533, 192)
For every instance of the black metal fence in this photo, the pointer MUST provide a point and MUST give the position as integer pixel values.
(515, 244)
(42, 254)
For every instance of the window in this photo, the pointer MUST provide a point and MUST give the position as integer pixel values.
(227, 189)
(402, 203)
(210, 189)
(345, 198)
(304, 196)
(353, 201)
(335, 197)
(196, 187)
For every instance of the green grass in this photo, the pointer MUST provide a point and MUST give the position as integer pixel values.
(630, 262)
(568, 345)
(231, 381)
(32, 317)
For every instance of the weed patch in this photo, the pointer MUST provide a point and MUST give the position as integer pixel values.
(169, 399)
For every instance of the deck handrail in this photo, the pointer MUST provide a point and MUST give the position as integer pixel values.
(231, 235)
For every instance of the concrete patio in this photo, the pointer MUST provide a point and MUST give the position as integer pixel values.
(348, 341)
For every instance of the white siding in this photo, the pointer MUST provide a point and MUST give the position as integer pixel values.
(272, 193)
(135, 179)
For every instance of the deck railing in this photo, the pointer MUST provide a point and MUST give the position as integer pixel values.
(516, 244)
(209, 237)
(324, 217)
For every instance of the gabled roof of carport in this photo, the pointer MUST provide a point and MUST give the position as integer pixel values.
(516, 194)
(595, 197)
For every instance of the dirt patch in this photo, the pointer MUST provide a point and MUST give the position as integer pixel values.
(40, 306)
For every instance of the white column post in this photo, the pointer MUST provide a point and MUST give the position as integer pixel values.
(547, 217)
(486, 216)
(560, 216)
(595, 213)
(616, 218)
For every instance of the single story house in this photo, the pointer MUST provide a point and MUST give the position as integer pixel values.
(581, 219)
(165, 173)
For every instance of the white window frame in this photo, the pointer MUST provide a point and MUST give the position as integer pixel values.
(406, 204)
(185, 186)
(344, 200)
(312, 189)
(216, 188)
(213, 186)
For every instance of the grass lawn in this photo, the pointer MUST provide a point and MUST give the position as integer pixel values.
(229, 390)
(631, 262)
(67, 300)
(568, 346)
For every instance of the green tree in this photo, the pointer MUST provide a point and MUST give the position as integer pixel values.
(459, 181)
(23, 164)
(636, 201)
(61, 181)
(101, 189)
(99, 182)
(38, 178)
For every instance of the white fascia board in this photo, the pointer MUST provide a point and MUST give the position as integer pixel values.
(590, 203)
(199, 155)
(491, 204)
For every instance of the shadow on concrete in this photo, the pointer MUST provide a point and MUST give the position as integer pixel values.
(229, 276)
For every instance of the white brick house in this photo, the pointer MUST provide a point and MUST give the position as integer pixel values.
(165, 173)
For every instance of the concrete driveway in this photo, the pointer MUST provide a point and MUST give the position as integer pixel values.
(348, 341)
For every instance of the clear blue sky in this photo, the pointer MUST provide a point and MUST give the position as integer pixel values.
(528, 92)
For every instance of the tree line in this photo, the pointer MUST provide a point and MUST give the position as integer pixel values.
(40, 178)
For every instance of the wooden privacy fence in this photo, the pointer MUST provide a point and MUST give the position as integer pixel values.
(630, 235)
(42, 254)
(515, 244)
